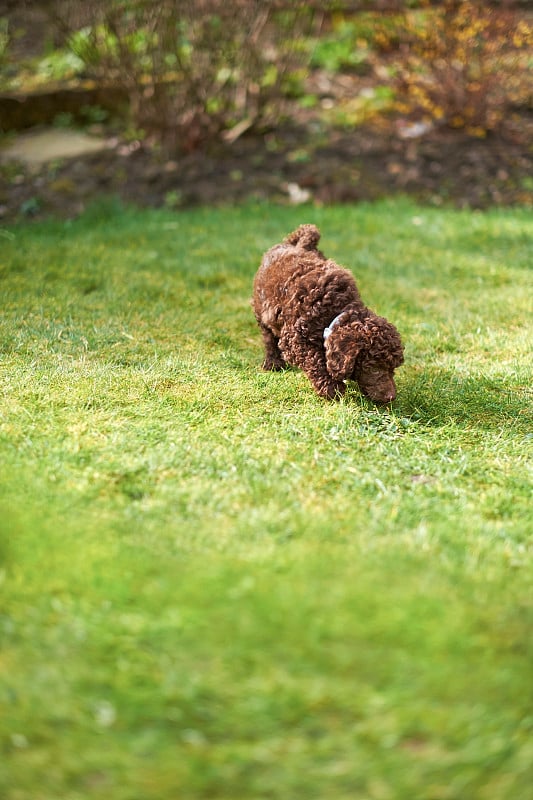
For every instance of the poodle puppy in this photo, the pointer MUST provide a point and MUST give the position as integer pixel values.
(311, 316)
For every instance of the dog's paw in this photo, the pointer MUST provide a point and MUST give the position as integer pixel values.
(332, 391)
(274, 364)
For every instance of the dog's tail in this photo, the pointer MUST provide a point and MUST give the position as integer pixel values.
(305, 236)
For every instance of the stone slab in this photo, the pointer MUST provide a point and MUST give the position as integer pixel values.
(38, 147)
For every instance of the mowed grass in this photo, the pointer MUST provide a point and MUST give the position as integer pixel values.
(215, 584)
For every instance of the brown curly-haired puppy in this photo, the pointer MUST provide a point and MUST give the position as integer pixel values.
(311, 316)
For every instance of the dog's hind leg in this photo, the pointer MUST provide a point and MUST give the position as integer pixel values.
(273, 358)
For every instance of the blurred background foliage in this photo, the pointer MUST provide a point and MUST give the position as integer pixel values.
(195, 71)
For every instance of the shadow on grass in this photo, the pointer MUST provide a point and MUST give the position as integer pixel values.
(437, 397)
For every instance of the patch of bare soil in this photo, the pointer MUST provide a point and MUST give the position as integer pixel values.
(293, 164)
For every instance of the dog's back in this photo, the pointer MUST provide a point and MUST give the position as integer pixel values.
(295, 279)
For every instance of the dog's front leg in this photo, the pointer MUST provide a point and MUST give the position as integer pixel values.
(307, 352)
(323, 384)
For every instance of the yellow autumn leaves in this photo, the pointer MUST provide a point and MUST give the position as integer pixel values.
(462, 63)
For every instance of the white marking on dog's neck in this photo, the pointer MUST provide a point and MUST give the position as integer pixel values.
(333, 324)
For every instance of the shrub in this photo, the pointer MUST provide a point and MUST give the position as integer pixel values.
(4, 41)
(355, 39)
(192, 69)
(342, 49)
(464, 64)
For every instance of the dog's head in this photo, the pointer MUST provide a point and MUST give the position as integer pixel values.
(367, 351)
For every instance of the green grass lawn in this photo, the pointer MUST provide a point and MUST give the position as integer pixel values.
(215, 584)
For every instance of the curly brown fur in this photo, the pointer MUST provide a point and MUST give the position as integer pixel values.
(311, 316)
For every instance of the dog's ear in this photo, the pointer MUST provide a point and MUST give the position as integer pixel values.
(342, 350)
(383, 343)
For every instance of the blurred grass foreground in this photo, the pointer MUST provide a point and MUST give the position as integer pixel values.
(214, 584)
